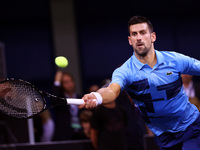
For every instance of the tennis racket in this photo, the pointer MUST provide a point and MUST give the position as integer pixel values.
(21, 99)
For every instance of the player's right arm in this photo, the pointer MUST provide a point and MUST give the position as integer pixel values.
(108, 95)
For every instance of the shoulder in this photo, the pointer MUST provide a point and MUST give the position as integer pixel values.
(122, 74)
(172, 56)
(169, 54)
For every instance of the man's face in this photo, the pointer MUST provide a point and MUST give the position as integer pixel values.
(141, 39)
(68, 84)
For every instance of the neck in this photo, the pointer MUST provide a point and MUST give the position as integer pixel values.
(149, 59)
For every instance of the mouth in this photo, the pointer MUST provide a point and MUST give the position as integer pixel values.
(139, 44)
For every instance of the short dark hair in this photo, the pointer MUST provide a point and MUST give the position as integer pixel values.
(140, 19)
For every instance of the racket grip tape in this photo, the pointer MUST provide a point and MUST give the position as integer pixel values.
(74, 101)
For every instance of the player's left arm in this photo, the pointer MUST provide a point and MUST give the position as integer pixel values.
(188, 65)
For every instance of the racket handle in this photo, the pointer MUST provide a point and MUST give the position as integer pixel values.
(74, 101)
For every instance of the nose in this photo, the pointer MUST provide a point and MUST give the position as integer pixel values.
(139, 37)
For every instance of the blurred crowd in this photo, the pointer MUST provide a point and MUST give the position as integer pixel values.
(117, 125)
(114, 126)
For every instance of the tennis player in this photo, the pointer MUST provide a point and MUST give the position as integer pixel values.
(153, 80)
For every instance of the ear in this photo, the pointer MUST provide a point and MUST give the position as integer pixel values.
(129, 40)
(153, 37)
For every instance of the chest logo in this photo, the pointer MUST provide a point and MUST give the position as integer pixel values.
(169, 73)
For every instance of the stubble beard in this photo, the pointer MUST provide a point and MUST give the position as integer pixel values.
(143, 52)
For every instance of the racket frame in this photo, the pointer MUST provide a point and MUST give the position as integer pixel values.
(55, 100)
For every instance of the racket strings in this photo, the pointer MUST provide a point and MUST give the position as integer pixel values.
(19, 99)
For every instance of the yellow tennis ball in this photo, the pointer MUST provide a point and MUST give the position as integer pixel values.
(61, 61)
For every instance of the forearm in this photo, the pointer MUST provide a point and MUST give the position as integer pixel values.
(110, 93)
(102, 96)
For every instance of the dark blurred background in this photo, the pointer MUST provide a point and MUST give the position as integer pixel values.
(91, 34)
(100, 27)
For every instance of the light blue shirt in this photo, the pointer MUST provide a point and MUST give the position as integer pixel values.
(158, 91)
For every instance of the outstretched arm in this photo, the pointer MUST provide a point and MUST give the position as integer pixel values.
(108, 94)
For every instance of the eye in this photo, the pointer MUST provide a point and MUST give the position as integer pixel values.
(143, 32)
(134, 33)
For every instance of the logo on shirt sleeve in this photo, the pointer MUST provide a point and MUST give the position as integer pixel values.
(169, 73)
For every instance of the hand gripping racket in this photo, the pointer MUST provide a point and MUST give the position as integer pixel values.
(21, 99)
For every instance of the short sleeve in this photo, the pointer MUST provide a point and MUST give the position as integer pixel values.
(188, 65)
(120, 76)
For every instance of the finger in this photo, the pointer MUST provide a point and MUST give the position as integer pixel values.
(81, 106)
(87, 106)
(86, 97)
(91, 104)
(95, 102)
